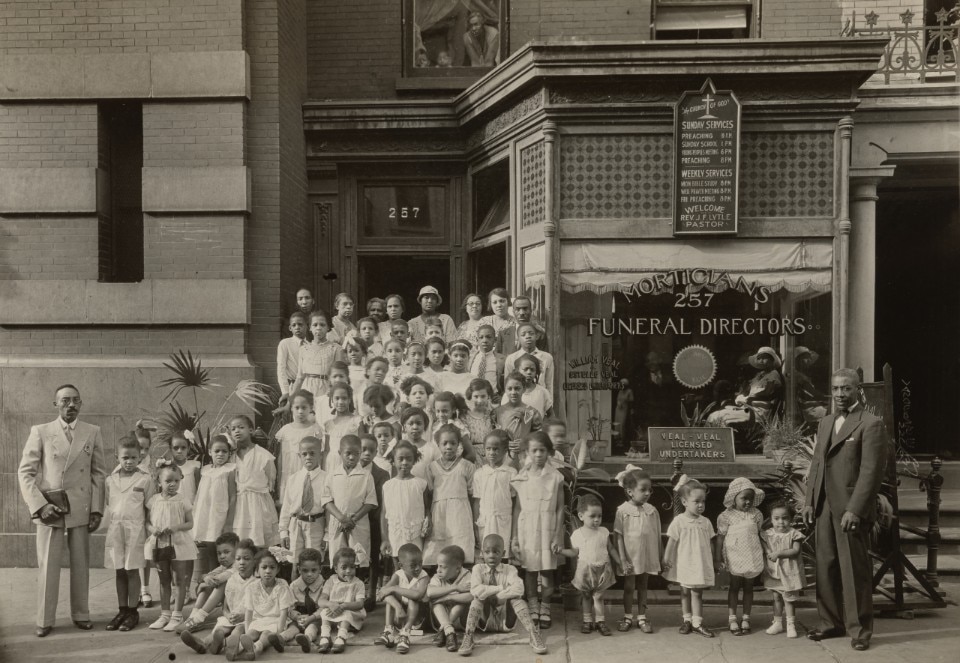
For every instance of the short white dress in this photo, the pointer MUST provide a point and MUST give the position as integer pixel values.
(742, 551)
(256, 516)
(452, 514)
(335, 431)
(213, 502)
(123, 548)
(233, 593)
(404, 511)
(785, 575)
(692, 563)
(345, 592)
(594, 573)
(266, 604)
(188, 485)
(456, 382)
(640, 528)
(315, 362)
(538, 524)
(169, 512)
(491, 485)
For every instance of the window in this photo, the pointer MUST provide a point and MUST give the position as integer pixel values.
(702, 19)
(491, 199)
(454, 38)
(120, 148)
(413, 213)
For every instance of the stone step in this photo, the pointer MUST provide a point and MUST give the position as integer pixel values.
(947, 564)
(914, 544)
(913, 507)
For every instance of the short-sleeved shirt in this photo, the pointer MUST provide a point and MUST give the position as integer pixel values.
(592, 545)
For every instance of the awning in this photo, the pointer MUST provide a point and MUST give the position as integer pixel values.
(701, 17)
(796, 265)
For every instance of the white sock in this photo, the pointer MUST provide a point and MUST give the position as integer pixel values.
(198, 614)
(640, 619)
(696, 621)
(686, 616)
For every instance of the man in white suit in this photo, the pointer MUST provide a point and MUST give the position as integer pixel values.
(67, 455)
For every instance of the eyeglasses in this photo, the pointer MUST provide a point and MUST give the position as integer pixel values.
(68, 401)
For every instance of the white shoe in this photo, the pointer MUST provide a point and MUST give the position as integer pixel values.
(175, 620)
(777, 627)
(161, 622)
(791, 630)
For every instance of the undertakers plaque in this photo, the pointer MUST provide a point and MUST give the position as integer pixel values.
(707, 130)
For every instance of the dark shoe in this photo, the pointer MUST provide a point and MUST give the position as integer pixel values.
(43, 631)
(452, 644)
(130, 621)
(860, 644)
(604, 629)
(117, 620)
(817, 635)
(440, 639)
(303, 641)
(216, 642)
(466, 647)
(545, 620)
(686, 628)
(193, 642)
(403, 644)
(339, 645)
(625, 624)
(586, 627)
(645, 627)
(274, 641)
(702, 630)
(84, 625)
(323, 645)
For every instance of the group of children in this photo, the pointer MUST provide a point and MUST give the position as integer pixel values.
(390, 468)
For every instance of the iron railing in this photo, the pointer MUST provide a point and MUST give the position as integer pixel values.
(927, 52)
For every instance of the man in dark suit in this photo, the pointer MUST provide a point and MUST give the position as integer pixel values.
(64, 456)
(508, 341)
(842, 486)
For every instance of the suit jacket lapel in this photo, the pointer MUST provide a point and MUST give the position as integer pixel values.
(850, 424)
(61, 444)
(80, 434)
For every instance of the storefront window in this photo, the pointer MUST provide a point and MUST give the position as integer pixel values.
(711, 333)
(405, 214)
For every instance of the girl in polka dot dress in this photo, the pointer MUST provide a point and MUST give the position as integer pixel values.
(739, 547)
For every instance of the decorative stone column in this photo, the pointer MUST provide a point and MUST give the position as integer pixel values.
(551, 249)
(861, 310)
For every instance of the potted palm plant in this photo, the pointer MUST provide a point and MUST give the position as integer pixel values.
(595, 445)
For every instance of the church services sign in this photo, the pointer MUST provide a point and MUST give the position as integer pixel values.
(707, 153)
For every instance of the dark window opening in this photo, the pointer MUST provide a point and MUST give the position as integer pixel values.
(454, 39)
(491, 199)
(120, 138)
(701, 20)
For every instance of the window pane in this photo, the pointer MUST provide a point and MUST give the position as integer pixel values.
(456, 33)
(407, 213)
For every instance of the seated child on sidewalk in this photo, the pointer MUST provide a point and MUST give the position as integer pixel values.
(305, 613)
(450, 597)
(402, 596)
(495, 586)
(226, 628)
(212, 585)
(341, 602)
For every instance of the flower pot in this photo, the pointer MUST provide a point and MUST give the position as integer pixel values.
(599, 449)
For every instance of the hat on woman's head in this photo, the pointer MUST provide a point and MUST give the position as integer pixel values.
(770, 352)
(802, 350)
(739, 485)
(430, 290)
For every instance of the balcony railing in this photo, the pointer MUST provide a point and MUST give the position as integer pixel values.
(927, 52)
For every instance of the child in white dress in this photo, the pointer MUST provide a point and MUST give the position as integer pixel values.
(413, 425)
(593, 548)
(402, 596)
(739, 548)
(170, 544)
(303, 425)
(225, 633)
(448, 407)
(348, 497)
(316, 358)
(457, 377)
(357, 354)
(688, 558)
(405, 516)
(216, 502)
(534, 394)
(538, 523)
(256, 515)
(783, 573)
(637, 531)
(128, 489)
(527, 337)
(451, 479)
(492, 500)
(393, 351)
(180, 447)
(345, 421)
(433, 370)
(267, 602)
(341, 602)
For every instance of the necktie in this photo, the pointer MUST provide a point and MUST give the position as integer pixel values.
(482, 366)
(493, 576)
(69, 434)
(306, 505)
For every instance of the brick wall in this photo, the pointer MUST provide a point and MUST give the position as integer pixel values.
(119, 341)
(193, 247)
(586, 19)
(296, 231)
(888, 11)
(48, 248)
(48, 135)
(353, 48)
(193, 134)
(119, 26)
(813, 18)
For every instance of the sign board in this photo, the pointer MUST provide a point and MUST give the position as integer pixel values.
(712, 445)
(707, 155)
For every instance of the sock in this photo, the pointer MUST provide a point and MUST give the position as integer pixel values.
(732, 619)
(697, 620)
(790, 620)
(177, 614)
(686, 616)
(640, 619)
(325, 629)
(198, 614)
(587, 617)
(448, 629)
(257, 647)
(745, 618)
(164, 612)
(343, 632)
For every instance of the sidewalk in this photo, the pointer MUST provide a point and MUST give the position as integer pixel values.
(932, 637)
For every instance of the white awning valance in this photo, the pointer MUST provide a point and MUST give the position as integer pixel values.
(796, 265)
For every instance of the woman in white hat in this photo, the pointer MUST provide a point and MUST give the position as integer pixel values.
(765, 389)
(812, 402)
(429, 299)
